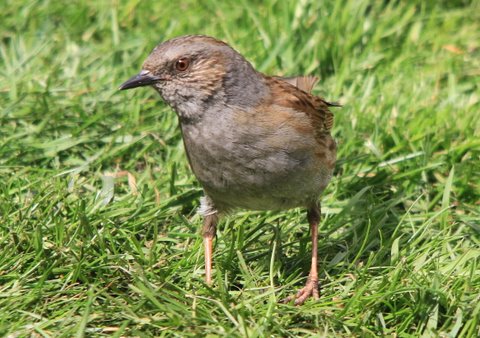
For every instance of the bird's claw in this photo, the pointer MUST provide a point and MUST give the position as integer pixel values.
(309, 290)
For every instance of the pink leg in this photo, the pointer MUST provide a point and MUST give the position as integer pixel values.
(311, 287)
(207, 243)
(209, 229)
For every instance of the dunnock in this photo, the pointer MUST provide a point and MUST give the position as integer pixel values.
(253, 141)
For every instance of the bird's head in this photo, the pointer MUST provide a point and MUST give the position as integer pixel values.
(190, 70)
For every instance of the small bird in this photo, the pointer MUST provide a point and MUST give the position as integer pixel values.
(253, 141)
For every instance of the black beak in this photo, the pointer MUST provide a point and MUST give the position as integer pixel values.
(144, 78)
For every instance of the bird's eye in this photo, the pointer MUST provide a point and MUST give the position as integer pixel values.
(182, 64)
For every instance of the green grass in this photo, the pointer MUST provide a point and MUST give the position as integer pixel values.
(399, 242)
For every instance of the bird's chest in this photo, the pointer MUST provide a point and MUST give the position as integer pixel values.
(243, 167)
(215, 153)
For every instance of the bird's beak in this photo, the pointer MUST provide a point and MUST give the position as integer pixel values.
(144, 78)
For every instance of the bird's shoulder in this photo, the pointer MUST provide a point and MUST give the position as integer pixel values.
(295, 93)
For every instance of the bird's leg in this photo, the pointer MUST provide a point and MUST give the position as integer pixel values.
(311, 287)
(208, 232)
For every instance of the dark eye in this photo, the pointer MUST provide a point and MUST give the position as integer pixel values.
(182, 64)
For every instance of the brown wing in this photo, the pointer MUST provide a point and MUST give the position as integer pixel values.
(287, 94)
(305, 83)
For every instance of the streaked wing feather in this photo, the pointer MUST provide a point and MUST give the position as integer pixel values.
(305, 83)
(288, 94)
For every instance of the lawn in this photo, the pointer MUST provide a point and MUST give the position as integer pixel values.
(99, 234)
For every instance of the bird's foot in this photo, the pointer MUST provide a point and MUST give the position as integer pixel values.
(309, 290)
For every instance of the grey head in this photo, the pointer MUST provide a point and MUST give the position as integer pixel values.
(195, 72)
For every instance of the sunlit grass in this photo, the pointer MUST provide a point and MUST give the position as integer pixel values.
(399, 241)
